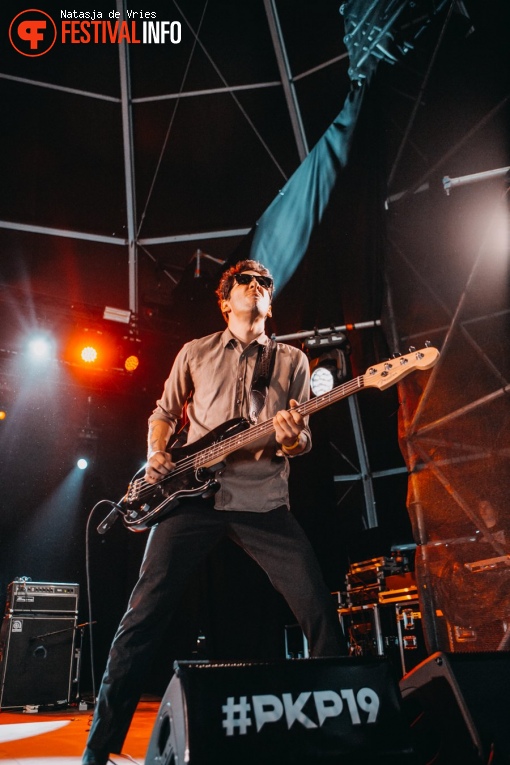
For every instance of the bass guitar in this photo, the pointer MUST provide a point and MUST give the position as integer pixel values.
(145, 504)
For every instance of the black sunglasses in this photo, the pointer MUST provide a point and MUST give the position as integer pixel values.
(264, 281)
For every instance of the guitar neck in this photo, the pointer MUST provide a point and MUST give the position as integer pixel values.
(379, 376)
(332, 396)
(221, 449)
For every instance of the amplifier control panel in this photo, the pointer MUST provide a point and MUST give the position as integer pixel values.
(42, 597)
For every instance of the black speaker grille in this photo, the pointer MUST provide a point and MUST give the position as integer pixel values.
(36, 660)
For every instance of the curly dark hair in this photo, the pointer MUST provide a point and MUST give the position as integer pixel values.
(227, 278)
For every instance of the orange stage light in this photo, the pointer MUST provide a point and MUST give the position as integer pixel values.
(100, 351)
(91, 349)
(131, 363)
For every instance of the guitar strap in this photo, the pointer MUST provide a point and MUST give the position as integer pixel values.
(261, 378)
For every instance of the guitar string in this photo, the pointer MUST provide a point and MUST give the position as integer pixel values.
(233, 443)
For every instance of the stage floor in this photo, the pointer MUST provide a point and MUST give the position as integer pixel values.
(58, 738)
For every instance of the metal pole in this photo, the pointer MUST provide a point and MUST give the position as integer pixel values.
(366, 476)
(328, 330)
(286, 76)
(464, 180)
(129, 167)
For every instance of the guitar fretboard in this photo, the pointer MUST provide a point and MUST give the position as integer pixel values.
(221, 449)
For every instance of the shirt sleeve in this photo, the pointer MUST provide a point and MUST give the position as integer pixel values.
(177, 388)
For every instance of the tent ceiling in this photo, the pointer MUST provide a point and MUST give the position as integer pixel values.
(213, 141)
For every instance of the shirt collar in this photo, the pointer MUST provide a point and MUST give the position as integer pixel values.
(230, 340)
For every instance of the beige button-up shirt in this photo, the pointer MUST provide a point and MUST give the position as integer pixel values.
(214, 374)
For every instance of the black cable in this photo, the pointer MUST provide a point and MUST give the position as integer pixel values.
(89, 588)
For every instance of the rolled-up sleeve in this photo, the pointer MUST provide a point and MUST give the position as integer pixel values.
(175, 392)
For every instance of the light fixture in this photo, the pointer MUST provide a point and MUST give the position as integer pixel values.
(323, 379)
(131, 363)
(330, 340)
(41, 347)
(91, 349)
(88, 437)
(117, 314)
(328, 366)
(130, 352)
(88, 354)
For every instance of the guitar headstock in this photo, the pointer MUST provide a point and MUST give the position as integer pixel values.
(390, 372)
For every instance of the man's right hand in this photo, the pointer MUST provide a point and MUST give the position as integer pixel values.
(158, 466)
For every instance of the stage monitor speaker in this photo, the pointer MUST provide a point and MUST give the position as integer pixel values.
(457, 706)
(36, 659)
(295, 711)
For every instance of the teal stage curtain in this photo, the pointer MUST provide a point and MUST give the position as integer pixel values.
(283, 232)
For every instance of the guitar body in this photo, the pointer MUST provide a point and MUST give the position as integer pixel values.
(146, 504)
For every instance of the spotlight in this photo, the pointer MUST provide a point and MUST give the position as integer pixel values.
(91, 349)
(130, 352)
(88, 354)
(87, 442)
(40, 348)
(131, 363)
(323, 378)
(328, 366)
(3, 414)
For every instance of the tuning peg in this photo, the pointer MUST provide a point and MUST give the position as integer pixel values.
(412, 349)
(396, 355)
(427, 343)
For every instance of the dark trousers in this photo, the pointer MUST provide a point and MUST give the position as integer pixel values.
(174, 548)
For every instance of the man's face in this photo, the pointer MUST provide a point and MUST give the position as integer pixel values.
(250, 299)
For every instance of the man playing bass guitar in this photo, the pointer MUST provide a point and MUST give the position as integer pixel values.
(239, 373)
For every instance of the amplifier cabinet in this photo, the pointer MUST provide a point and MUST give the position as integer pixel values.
(36, 660)
(42, 597)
